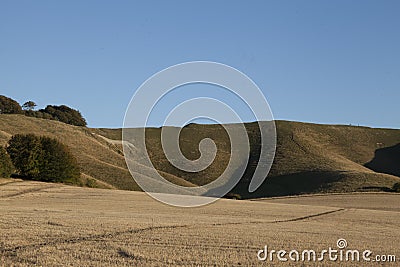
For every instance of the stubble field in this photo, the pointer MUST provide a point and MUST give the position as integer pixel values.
(56, 225)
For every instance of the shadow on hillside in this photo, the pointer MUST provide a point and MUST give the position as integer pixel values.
(287, 185)
(386, 160)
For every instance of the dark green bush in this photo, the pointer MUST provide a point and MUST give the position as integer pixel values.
(43, 159)
(396, 187)
(38, 114)
(58, 164)
(233, 196)
(6, 166)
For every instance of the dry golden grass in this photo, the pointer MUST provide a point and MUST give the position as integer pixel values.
(101, 162)
(56, 225)
(81, 142)
(368, 200)
(310, 158)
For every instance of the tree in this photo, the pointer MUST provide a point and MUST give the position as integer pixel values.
(65, 114)
(30, 105)
(9, 106)
(43, 158)
(60, 113)
(6, 166)
(25, 153)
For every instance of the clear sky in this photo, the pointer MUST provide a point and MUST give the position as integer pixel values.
(316, 61)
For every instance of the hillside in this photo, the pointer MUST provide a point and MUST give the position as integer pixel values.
(310, 158)
(102, 163)
(313, 158)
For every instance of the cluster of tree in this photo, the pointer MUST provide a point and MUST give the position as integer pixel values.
(43, 159)
(60, 113)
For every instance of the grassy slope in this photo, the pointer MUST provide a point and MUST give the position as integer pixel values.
(98, 159)
(313, 158)
(310, 158)
(326, 158)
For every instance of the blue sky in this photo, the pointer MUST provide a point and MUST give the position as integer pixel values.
(315, 61)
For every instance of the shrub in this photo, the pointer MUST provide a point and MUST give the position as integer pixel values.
(57, 164)
(91, 183)
(43, 159)
(233, 196)
(396, 187)
(38, 114)
(9, 106)
(6, 166)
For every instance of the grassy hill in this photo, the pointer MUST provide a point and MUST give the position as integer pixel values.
(315, 158)
(102, 163)
(310, 158)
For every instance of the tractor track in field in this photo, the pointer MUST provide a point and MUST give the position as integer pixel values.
(96, 237)
(310, 216)
(12, 182)
(27, 191)
(108, 236)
